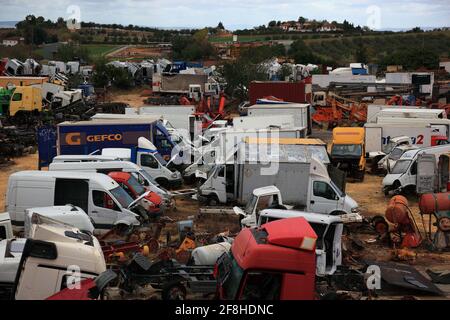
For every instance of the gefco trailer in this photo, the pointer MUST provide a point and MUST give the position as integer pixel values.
(87, 137)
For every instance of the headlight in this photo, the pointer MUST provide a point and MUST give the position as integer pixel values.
(355, 210)
(174, 175)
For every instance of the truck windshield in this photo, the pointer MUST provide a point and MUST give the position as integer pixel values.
(148, 177)
(232, 280)
(395, 154)
(122, 196)
(137, 187)
(401, 166)
(346, 150)
(251, 203)
(389, 147)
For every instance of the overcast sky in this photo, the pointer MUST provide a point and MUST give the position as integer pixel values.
(234, 14)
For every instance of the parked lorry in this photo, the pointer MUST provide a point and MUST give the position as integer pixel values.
(403, 175)
(104, 164)
(85, 137)
(10, 82)
(270, 263)
(304, 182)
(38, 267)
(129, 139)
(328, 230)
(106, 203)
(21, 99)
(348, 151)
(225, 142)
(300, 112)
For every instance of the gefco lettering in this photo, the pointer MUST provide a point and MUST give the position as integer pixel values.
(75, 138)
(104, 137)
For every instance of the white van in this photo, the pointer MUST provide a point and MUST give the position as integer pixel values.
(404, 174)
(329, 235)
(97, 194)
(77, 163)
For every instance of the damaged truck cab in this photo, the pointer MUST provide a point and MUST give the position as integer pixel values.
(348, 151)
(274, 262)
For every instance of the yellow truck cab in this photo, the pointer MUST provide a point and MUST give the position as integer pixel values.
(348, 151)
(25, 99)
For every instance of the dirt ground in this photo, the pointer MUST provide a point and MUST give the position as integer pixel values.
(135, 98)
(133, 52)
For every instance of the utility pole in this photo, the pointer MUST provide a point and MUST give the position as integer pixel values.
(29, 18)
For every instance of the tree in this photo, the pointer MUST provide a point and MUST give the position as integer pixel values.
(272, 24)
(302, 20)
(220, 26)
(361, 52)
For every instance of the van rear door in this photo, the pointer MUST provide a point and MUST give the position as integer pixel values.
(426, 173)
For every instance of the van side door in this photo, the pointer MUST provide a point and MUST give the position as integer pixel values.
(105, 211)
(72, 191)
(149, 163)
(323, 198)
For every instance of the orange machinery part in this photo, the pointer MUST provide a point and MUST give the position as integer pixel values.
(397, 210)
(433, 202)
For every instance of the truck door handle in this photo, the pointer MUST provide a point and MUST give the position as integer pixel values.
(312, 202)
(94, 211)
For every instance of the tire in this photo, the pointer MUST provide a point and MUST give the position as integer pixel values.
(163, 182)
(213, 201)
(174, 290)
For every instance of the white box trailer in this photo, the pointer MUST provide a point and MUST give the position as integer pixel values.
(300, 112)
(323, 80)
(425, 80)
(263, 122)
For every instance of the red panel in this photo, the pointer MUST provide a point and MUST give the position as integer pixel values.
(287, 91)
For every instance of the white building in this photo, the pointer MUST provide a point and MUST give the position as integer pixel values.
(11, 42)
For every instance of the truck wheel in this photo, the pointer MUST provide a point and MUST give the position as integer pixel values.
(174, 290)
(361, 176)
(213, 201)
(163, 182)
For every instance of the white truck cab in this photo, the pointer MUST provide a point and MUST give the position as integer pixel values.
(147, 157)
(270, 198)
(106, 203)
(69, 214)
(329, 236)
(49, 259)
(6, 230)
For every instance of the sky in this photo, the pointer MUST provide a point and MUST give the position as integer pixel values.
(235, 14)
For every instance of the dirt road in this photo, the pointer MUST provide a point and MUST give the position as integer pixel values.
(29, 162)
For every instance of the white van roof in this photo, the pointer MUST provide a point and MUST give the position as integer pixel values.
(82, 157)
(94, 165)
(310, 217)
(105, 181)
(410, 154)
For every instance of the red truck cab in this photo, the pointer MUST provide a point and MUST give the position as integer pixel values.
(152, 202)
(274, 262)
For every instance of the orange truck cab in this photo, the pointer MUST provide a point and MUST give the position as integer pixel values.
(151, 202)
(439, 140)
(274, 262)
